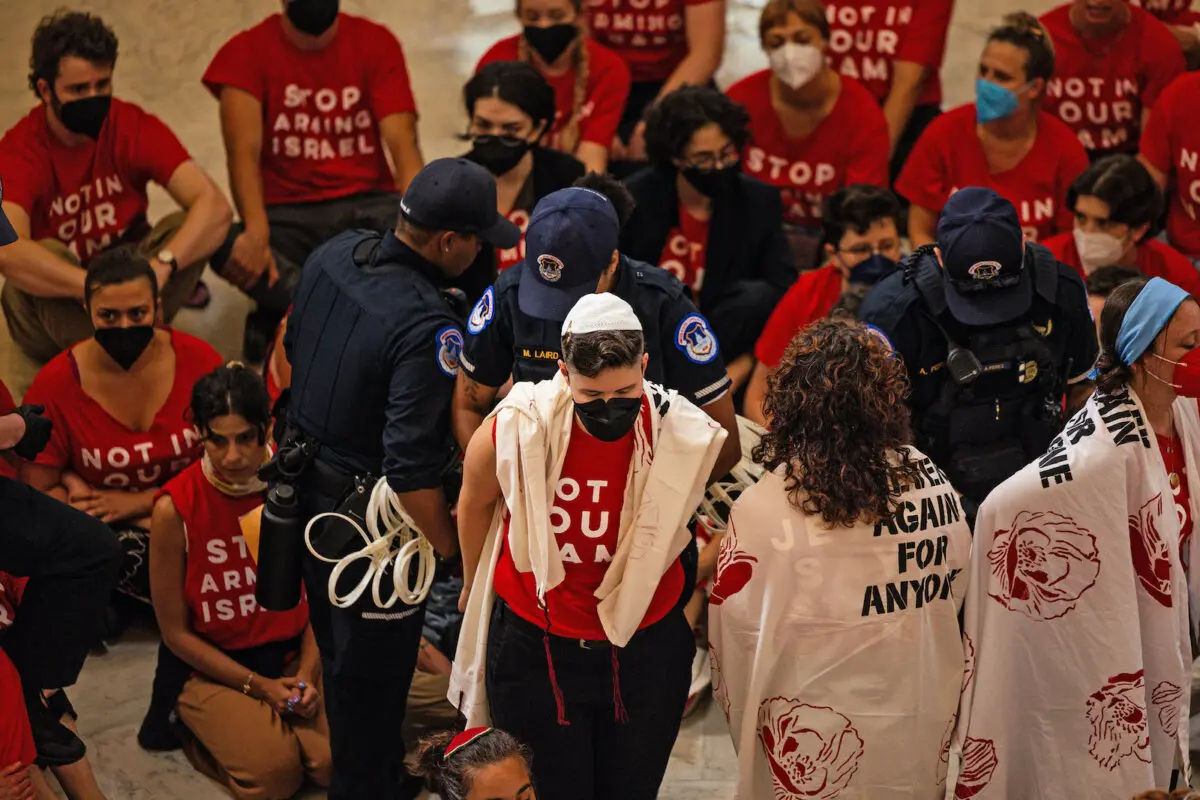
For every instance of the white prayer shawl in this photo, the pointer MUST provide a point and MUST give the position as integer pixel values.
(1078, 658)
(666, 481)
(836, 651)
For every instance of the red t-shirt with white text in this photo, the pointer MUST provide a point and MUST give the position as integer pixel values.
(849, 146)
(650, 35)
(949, 156)
(321, 109)
(221, 574)
(513, 255)
(11, 589)
(605, 92)
(16, 739)
(811, 297)
(103, 451)
(88, 197)
(585, 518)
(867, 37)
(1155, 259)
(1100, 86)
(1171, 144)
(684, 253)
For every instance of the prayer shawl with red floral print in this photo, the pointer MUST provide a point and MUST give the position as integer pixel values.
(836, 651)
(1078, 660)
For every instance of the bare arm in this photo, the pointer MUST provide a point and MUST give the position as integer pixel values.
(242, 130)
(45, 479)
(1160, 177)
(908, 79)
(756, 395)
(428, 508)
(705, 25)
(399, 134)
(472, 403)
(721, 410)
(208, 214)
(34, 269)
(594, 156)
(922, 225)
(476, 504)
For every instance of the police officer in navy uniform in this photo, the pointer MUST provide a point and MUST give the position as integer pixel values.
(570, 251)
(374, 342)
(994, 332)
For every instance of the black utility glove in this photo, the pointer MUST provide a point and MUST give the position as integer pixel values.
(37, 432)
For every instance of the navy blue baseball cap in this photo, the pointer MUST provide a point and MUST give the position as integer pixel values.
(453, 194)
(7, 234)
(983, 253)
(568, 245)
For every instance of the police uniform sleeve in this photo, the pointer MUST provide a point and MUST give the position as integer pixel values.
(416, 434)
(487, 356)
(692, 363)
(889, 309)
(1082, 349)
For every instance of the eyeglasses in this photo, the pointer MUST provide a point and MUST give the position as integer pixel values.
(728, 156)
(865, 250)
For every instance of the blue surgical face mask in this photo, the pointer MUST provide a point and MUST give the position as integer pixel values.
(871, 270)
(993, 102)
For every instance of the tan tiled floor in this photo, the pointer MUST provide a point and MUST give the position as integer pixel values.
(165, 45)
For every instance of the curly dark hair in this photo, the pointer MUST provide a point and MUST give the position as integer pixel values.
(839, 423)
(452, 777)
(69, 33)
(673, 120)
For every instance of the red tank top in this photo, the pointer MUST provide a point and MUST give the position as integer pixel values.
(219, 585)
(584, 519)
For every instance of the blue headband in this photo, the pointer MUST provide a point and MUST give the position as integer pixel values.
(1147, 315)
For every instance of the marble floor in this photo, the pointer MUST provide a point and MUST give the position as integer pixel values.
(165, 46)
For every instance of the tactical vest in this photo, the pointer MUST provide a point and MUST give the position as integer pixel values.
(983, 430)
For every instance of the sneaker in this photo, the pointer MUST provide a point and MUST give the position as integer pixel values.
(701, 682)
(57, 745)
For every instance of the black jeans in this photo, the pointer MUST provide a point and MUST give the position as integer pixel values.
(72, 560)
(368, 656)
(593, 757)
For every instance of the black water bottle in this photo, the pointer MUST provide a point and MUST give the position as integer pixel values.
(281, 537)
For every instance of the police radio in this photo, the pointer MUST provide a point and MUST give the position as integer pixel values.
(962, 364)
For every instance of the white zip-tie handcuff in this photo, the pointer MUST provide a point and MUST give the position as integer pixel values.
(400, 540)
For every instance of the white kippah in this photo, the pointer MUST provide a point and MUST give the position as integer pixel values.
(601, 312)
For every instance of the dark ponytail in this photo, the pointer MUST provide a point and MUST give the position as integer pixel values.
(231, 389)
(451, 778)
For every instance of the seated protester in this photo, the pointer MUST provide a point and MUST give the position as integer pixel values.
(118, 403)
(510, 108)
(591, 83)
(75, 171)
(278, 83)
(1112, 61)
(895, 49)
(477, 764)
(20, 778)
(1094, 538)
(1181, 21)
(812, 131)
(249, 691)
(666, 44)
(789, 610)
(862, 244)
(699, 217)
(1101, 283)
(1169, 146)
(1117, 207)
(588, 653)
(1002, 141)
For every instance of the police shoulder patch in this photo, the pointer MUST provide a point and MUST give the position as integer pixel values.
(449, 343)
(695, 339)
(881, 336)
(482, 313)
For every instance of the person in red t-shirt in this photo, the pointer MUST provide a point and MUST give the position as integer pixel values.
(591, 82)
(313, 102)
(1181, 21)
(20, 779)
(1003, 141)
(895, 49)
(1117, 206)
(812, 131)
(1171, 151)
(861, 227)
(667, 44)
(118, 403)
(716, 229)
(588, 653)
(1112, 61)
(74, 174)
(221, 646)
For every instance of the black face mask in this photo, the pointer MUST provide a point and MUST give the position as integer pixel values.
(125, 345)
(872, 270)
(498, 154)
(609, 420)
(551, 42)
(85, 116)
(713, 183)
(312, 17)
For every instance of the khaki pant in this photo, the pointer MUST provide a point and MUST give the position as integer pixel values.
(428, 709)
(241, 743)
(45, 326)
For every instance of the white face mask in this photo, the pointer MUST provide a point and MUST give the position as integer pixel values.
(1098, 250)
(796, 64)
